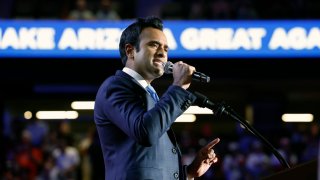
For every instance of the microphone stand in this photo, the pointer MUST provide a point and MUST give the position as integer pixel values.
(220, 108)
(230, 112)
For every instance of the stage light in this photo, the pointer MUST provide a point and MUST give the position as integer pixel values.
(57, 115)
(297, 117)
(27, 115)
(83, 105)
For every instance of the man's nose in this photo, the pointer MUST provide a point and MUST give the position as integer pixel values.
(161, 52)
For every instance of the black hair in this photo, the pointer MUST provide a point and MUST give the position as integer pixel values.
(131, 34)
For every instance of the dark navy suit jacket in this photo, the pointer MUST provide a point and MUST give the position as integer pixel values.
(136, 139)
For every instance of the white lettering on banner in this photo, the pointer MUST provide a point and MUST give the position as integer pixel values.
(296, 38)
(10, 38)
(256, 35)
(45, 38)
(28, 38)
(189, 39)
(89, 38)
(68, 39)
(108, 38)
(206, 42)
(248, 39)
(314, 38)
(86, 38)
(170, 38)
(241, 39)
(222, 38)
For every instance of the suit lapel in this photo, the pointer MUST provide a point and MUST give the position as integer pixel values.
(150, 104)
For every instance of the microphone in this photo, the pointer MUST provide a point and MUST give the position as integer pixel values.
(198, 76)
(203, 101)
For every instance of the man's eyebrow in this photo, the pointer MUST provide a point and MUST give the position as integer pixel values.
(155, 41)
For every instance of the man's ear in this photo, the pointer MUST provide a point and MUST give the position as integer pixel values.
(129, 51)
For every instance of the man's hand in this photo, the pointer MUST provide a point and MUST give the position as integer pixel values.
(182, 74)
(204, 159)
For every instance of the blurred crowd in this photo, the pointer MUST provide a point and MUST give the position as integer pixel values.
(38, 150)
(51, 150)
(242, 156)
(166, 9)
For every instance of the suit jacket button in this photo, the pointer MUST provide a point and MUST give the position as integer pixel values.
(188, 102)
(174, 151)
(176, 175)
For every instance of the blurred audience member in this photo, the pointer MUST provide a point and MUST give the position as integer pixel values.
(28, 158)
(67, 160)
(81, 12)
(286, 151)
(50, 170)
(233, 163)
(312, 139)
(257, 163)
(38, 131)
(64, 132)
(107, 11)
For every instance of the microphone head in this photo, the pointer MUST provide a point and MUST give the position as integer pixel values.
(168, 67)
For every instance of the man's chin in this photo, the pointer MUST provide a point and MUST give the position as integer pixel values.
(159, 72)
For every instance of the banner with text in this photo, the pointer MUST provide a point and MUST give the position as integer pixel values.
(186, 39)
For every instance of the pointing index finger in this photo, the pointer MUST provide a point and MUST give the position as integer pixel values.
(212, 143)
